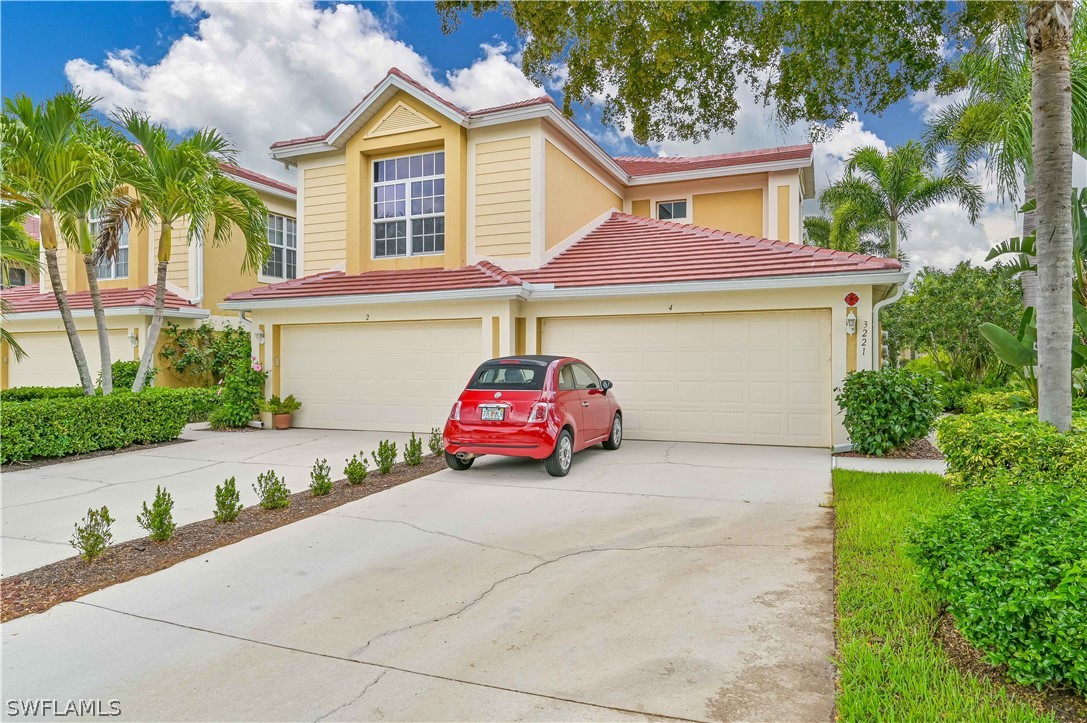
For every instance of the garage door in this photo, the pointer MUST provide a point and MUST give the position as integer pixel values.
(386, 376)
(745, 378)
(50, 363)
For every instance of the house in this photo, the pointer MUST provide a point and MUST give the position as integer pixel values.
(199, 277)
(431, 238)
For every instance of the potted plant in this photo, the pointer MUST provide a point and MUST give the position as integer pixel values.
(281, 410)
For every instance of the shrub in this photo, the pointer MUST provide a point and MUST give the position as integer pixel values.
(203, 355)
(979, 446)
(272, 491)
(1011, 564)
(124, 374)
(26, 394)
(228, 502)
(159, 519)
(413, 451)
(242, 393)
(320, 478)
(953, 392)
(355, 470)
(385, 456)
(275, 405)
(435, 442)
(59, 427)
(93, 537)
(202, 401)
(993, 401)
(887, 409)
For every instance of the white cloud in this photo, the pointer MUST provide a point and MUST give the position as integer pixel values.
(262, 72)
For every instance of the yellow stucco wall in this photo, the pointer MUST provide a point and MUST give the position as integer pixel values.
(784, 206)
(324, 219)
(504, 198)
(573, 197)
(640, 208)
(737, 211)
(362, 149)
(178, 270)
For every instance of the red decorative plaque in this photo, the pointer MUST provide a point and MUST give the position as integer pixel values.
(851, 299)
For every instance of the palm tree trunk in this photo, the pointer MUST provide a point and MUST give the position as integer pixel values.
(1049, 33)
(100, 322)
(148, 356)
(892, 250)
(49, 243)
(1030, 223)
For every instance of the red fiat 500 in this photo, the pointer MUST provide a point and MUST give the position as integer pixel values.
(542, 407)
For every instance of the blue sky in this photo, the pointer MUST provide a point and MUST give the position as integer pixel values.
(266, 71)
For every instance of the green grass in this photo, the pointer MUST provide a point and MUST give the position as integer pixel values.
(890, 667)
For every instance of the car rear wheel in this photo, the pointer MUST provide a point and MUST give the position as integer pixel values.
(455, 462)
(616, 437)
(560, 461)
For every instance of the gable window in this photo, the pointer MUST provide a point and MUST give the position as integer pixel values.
(672, 210)
(409, 205)
(283, 263)
(117, 267)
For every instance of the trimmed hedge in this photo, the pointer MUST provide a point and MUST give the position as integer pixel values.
(995, 401)
(202, 401)
(979, 448)
(25, 394)
(60, 427)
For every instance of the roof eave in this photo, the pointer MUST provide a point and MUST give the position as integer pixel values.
(737, 170)
(138, 310)
(300, 302)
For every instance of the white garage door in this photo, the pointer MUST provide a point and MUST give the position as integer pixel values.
(745, 378)
(398, 377)
(50, 363)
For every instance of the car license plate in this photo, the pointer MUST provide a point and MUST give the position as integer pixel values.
(492, 414)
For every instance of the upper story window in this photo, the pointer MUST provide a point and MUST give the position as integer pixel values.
(672, 210)
(409, 205)
(117, 267)
(283, 263)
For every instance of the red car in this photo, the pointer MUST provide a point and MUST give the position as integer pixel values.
(541, 407)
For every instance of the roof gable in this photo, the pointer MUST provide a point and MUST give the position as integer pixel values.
(400, 119)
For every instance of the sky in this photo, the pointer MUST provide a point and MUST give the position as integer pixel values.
(267, 71)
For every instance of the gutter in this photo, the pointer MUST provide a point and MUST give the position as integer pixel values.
(113, 311)
(502, 292)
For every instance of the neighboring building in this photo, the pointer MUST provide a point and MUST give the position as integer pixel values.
(200, 276)
(430, 238)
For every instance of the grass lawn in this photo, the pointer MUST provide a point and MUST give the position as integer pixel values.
(890, 667)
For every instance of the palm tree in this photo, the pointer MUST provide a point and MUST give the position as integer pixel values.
(177, 180)
(45, 165)
(17, 250)
(880, 190)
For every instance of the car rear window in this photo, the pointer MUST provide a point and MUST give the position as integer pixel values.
(509, 376)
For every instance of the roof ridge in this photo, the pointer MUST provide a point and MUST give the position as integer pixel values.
(498, 273)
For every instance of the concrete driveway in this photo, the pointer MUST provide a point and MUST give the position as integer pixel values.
(674, 581)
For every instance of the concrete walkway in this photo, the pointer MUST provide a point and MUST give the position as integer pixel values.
(874, 464)
(673, 581)
(40, 506)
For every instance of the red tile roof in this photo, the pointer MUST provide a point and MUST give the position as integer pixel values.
(540, 100)
(258, 178)
(629, 249)
(647, 165)
(25, 299)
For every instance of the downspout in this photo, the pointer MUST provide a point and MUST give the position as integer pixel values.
(199, 297)
(900, 289)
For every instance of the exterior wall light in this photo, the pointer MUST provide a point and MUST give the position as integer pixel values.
(133, 339)
(258, 335)
(851, 323)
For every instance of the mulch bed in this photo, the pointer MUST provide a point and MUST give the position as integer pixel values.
(38, 590)
(921, 449)
(47, 461)
(1063, 704)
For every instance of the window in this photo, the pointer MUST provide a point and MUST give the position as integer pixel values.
(16, 277)
(585, 378)
(566, 378)
(671, 210)
(117, 267)
(409, 205)
(509, 376)
(283, 263)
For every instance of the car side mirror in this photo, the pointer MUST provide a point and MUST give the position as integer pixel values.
(606, 385)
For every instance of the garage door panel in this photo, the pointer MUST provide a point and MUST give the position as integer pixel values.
(388, 376)
(50, 362)
(760, 377)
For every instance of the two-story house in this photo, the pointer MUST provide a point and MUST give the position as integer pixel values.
(431, 238)
(199, 277)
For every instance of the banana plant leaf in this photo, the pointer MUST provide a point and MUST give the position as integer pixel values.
(1008, 348)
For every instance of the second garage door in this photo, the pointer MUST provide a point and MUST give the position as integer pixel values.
(744, 378)
(50, 362)
(397, 377)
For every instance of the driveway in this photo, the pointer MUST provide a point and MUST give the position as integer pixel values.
(682, 581)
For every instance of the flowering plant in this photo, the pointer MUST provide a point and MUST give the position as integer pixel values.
(242, 391)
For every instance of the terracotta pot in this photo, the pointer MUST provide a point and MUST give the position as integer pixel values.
(281, 421)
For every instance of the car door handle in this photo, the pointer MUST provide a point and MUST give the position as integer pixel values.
(584, 404)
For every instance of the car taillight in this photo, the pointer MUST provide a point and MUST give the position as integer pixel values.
(539, 412)
(454, 413)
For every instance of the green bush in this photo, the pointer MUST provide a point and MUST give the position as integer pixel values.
(26, 394)
(385, 456)
(995, 401)
(887, 409)
(435, 442)
(158, 520)
(275, 405)
(978, 447)
(93, 537)
(60, 427)
(1010, 561)
(242, 395)
(355, 470)
(228, 502)
(272, 491)
(320, 478)
(204, 355)
(202, 401)
(413, 451)
(124, 375)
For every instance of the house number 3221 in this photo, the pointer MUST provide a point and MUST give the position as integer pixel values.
(864, 338)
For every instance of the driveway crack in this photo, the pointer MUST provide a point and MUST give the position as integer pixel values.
(357, 698)
(437, 532)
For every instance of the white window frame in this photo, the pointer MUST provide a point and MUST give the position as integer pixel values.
(264, 276)
(409, 216)
(123, 244)
(678, 219)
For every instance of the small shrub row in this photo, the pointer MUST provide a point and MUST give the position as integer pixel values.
(94, 534)
(26, 394)
(980, 447)
(887, 409)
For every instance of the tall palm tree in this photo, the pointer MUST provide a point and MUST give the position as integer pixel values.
(17, 250)
(45, 165)
(177, 180)
(879, 190)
